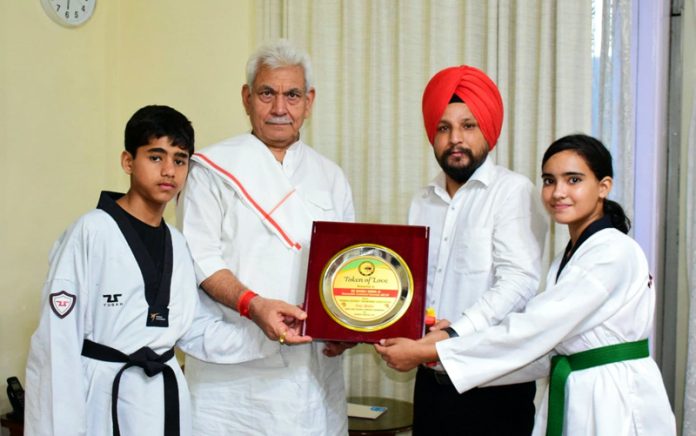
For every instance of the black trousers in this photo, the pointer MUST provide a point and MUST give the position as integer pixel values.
(438, 409)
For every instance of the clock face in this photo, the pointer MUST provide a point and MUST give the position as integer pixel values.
(70, 13)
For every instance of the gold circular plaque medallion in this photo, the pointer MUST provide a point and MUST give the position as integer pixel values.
(366, 287)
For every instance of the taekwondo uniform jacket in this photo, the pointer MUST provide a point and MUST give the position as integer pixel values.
(603, 296)
(95, 291)
(242, 210)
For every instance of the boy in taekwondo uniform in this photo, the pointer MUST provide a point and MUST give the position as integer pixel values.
(121, 293)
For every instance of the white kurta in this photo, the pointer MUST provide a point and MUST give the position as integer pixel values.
(602, 297)
(68, 394)
(486, 243)
(243, 211)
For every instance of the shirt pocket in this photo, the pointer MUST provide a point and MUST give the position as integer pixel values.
(320, 205)
(472, 250)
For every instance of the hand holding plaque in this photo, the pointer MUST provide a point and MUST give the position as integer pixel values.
(365, 281)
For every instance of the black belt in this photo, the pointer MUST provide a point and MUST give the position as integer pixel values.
(440, 377)
(153, 364)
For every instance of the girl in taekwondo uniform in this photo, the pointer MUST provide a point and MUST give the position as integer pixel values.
(588, 330)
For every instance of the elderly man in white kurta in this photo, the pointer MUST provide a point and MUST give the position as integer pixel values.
(247, 213)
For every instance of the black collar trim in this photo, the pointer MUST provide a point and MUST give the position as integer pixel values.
(596, 226)
(156, 294)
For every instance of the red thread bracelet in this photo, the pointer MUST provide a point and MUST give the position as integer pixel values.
(243, 302)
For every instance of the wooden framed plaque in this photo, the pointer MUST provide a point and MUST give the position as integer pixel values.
(366, 282)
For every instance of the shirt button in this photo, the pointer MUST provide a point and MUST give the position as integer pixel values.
(439, 270)
(445, 238)
(452, 208)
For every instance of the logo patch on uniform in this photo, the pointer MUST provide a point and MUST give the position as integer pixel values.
(62, 303)
(158, 316)
(112, 300)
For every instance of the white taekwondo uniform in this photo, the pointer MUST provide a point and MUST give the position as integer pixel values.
(96, 291)
(242, 210)
(603, 296)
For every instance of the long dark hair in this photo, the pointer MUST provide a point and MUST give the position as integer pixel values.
(598, 159)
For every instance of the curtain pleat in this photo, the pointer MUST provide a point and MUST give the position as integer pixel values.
(614, 122)
(689, 158)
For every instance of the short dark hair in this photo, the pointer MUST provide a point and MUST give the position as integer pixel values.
(155, 121)
(598, 158)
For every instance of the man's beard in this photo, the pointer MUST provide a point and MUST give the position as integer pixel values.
(461, 174)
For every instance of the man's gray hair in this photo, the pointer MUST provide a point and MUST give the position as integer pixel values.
(277, 54)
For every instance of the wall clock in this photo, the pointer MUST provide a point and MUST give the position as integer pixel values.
(69, 13)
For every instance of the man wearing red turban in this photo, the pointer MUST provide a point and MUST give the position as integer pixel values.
(487, 232)
(469, 85)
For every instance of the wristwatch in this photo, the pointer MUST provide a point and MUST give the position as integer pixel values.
(451, 332)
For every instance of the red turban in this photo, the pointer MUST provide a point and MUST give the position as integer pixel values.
(475, 89)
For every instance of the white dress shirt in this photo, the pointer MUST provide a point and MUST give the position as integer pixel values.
(485, 249)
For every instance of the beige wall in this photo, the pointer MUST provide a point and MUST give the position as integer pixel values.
(65, 95)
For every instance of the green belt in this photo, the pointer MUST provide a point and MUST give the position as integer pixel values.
(562, 366)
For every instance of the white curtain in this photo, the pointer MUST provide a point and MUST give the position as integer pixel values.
(371, 62)
(613, 119)
(689, 157)
(689, 226)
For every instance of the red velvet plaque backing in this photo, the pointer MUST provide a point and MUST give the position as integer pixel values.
(329, 238)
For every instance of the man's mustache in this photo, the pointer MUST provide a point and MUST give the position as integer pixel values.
(279, 120)
(463, 150)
